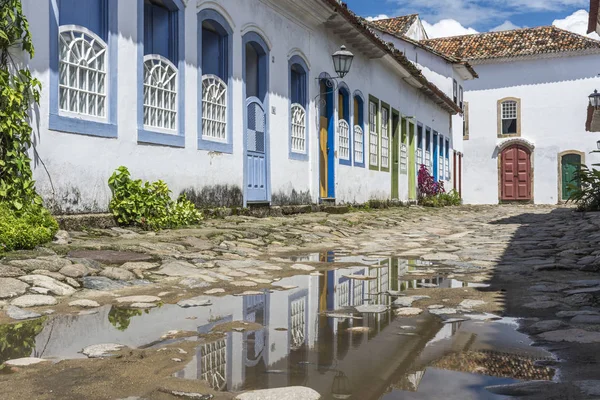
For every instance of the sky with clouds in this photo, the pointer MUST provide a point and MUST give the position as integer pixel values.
(457, 17)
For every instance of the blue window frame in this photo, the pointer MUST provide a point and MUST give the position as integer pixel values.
(344, 113)
(161, 44)
(215, 80)
(441, 159)
(298, 106)
(95, 27)
(358, 144)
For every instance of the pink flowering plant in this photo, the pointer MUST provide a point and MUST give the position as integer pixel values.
(427, 185)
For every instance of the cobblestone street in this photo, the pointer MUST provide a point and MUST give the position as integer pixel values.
(541, 264)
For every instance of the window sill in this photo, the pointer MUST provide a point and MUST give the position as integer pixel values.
(359, 164)
(374, 167)
(82, 126)
(298, 156)
(508, 135)
(345, 162)
(163, 139)
(213, 145)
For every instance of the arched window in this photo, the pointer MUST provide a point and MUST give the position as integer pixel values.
(298, 77)
(160, 74)
(509, 117)
(359, 130)
(344, 143)
(215, 75)
(82, 72)
(83, 66)
(215, 59)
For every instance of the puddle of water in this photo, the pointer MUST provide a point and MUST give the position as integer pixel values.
(369, 356)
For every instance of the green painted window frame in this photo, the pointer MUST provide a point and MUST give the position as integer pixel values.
(385, 105)
(373, 99)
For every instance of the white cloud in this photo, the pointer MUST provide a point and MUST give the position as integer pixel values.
(481, 12)
(505, 26)
(380, 16)
(446, 27)
(577, 23)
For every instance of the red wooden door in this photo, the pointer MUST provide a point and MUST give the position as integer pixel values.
(516, 173)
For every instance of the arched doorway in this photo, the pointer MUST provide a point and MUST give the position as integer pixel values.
(569, 162)
(256, 141)
(515, 173)
(326, 139)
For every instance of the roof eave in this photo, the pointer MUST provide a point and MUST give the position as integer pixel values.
(435, 93)
(541, 56)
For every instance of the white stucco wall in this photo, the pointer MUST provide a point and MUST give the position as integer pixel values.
(76, 168)
(554, 99)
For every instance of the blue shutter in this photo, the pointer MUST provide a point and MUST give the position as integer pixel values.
(160, 31)
(91, 14)
(213, 57)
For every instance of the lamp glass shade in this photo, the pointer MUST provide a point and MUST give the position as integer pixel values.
(342, 61)
(595, 99)
(598, 144)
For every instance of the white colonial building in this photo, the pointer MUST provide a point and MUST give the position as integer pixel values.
(234, 100)
(528, 119)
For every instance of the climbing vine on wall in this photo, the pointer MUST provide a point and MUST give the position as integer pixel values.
(19, 93)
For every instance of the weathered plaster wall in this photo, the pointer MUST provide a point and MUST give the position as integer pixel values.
(554, 98)
(75, 169)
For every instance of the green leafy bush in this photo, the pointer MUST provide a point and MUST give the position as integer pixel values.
(148, 205)
(441, 200)
(25, 229)
(586, 194)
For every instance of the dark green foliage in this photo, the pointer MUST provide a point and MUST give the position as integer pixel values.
(18, 340)
(26, 228)
(24, 223)
(19, 92)
(148, 205)
(587, 194)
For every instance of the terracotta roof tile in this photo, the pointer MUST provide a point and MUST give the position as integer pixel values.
(397, 25)
(513, 43)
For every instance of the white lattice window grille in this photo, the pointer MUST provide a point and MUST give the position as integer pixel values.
(447, 166)
(83, 60)
(373, 283)
(344, 143)
(385, 279)
(357, 295)
(359, 138)
(298, 322)
(214, 108)
(373, 136)
(160, 93)
(213, 364)
(385, 138)
(403, 158)
(441, 168)
(419, 158)
(509, 109)
(428, 160)
(298, 115)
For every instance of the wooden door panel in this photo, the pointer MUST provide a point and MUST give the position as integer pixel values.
(324, 124)
(515, 167)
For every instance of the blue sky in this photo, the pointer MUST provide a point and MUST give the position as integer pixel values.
(482, 15)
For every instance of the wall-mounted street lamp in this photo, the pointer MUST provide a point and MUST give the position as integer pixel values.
(342, 61)
(595, 99)
(598, 144)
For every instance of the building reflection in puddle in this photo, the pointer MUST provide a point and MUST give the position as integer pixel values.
(359, 355)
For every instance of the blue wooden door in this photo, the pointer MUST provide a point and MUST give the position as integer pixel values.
(256, 151)
(435, 157)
